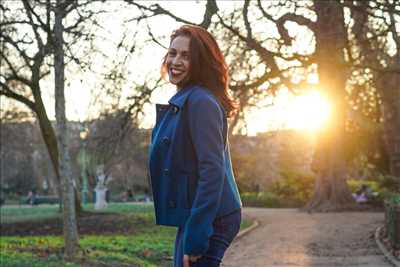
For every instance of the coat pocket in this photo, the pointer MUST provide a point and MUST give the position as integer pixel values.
(179, 191)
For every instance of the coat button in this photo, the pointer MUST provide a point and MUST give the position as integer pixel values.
(166, 171)
(166, 140)
(172, 204)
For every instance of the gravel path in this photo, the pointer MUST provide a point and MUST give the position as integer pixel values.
(288, 237)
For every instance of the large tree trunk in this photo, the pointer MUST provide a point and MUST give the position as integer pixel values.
(71, 239)
(331, 191)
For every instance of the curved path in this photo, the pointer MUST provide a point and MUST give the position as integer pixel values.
(288, 237)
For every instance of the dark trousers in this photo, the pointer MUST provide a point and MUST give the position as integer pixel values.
(225, 230)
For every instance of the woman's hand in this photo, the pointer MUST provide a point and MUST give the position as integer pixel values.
(188, 258)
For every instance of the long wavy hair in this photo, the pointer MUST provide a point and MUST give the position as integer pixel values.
(207, 65)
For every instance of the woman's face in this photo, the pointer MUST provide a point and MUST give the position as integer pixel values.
(178, 60)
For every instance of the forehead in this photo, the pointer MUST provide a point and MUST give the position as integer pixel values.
(180, 43)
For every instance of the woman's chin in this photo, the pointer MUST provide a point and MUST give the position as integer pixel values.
(175, 81)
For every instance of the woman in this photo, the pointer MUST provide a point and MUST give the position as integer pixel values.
(190, 165)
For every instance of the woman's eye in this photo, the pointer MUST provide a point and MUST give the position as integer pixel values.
(171, 54)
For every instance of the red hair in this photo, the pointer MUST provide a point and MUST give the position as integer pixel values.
(207, 64)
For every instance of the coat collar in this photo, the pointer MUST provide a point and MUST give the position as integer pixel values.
(181, 96)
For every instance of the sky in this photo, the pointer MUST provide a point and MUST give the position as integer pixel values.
(284, 113)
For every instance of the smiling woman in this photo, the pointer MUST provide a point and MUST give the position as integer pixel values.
(190, 167)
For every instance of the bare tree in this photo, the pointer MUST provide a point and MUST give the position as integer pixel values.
(376, 44)
(70, 229)
(27, 64)
(23, 70)
(27, 45)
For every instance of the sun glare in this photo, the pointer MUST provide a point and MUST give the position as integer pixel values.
(310, 111)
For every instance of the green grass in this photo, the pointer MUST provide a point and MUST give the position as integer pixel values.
(245, 224)
(15, 213)
(23, 259)
(150, 246)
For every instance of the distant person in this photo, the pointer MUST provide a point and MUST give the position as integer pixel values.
(31, 198)
(147, 195)
(190, 165)
(127, 195)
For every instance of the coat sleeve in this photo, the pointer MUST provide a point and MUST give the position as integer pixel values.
(206, 129)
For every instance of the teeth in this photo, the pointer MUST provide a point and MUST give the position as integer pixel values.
(176, 72)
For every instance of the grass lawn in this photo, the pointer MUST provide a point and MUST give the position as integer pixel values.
(136, 242)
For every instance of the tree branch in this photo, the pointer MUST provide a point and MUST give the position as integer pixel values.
(280, 23)
(156, 9)
(265, 54)
(211, 9)
(246, 19)
(6, 91)
(8, 40)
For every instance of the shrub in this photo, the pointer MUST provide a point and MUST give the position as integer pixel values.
(355, 184)
(389, 184)
(262, 199)
(294, 187)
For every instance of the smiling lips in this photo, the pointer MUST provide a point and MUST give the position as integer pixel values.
(176, 72)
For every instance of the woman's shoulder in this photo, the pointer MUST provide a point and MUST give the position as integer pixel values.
(203, 100)
(201, 94)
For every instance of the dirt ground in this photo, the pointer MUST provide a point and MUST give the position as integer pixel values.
(88, 224)
(288, 237)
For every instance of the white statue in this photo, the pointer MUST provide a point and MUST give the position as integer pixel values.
(101, 189)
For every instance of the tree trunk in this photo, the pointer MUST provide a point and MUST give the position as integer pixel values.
(48, 135)
(71, 239)
(50, 140)
(331, 192)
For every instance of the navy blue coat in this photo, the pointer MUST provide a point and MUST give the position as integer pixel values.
(190, 166)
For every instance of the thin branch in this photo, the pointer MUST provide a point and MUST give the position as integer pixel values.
(153, 38)
(156, 9)
(29, 11)
(395, 34)
(8, 40)
(265, 14)
(265, 54)
(246, 19)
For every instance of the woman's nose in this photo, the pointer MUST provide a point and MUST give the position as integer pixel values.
(177, 60)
